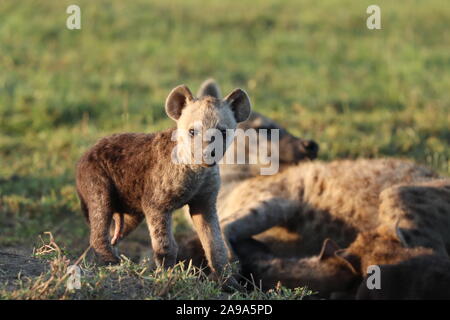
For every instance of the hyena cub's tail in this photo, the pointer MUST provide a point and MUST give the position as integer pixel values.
(209, 87)
(84, 207)
(118, 228)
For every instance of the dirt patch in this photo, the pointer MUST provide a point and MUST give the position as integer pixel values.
(13, 264)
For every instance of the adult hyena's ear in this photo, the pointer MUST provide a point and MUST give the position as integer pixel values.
(400, 234)
(209, 88)
(350, 260)
(177, 100)
(239, 103)
(329, 248)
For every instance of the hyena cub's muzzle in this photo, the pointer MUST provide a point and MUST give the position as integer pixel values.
(215, 145)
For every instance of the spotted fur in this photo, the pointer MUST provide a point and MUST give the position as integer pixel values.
(294, 211)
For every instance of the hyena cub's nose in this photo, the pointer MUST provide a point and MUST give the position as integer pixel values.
(211, 142)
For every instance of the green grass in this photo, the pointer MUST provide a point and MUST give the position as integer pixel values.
(128, 280)
(131, 281)
(313, 66)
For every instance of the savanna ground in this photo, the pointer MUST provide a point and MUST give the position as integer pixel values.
(311, 65)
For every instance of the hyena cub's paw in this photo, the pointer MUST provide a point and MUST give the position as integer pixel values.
(229, 280)
(110, 260)
(231, 285)
(165, 259)
(106, 258)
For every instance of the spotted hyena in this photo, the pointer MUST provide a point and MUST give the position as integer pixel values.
(133, 175)
(294, 211)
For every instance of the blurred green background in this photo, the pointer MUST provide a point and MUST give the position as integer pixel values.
(311, 65)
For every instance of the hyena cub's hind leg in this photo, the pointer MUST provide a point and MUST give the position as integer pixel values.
(421, 212)
(97, 204)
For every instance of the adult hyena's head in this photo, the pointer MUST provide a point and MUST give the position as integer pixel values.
(291, 149)
(205, 125)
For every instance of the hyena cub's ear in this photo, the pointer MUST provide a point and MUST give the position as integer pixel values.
(239, 103)
(209, 88)
(177, 100)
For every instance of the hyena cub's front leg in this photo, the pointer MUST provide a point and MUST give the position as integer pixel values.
(163, 243)
(207, 226)
(206, 223)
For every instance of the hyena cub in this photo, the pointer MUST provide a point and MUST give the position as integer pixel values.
(135, 175)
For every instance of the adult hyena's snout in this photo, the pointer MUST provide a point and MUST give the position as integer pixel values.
(294, 150)
(310, 148)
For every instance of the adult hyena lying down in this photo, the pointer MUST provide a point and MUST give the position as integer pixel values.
(294, 211)
(408, 197)
(314, 201)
